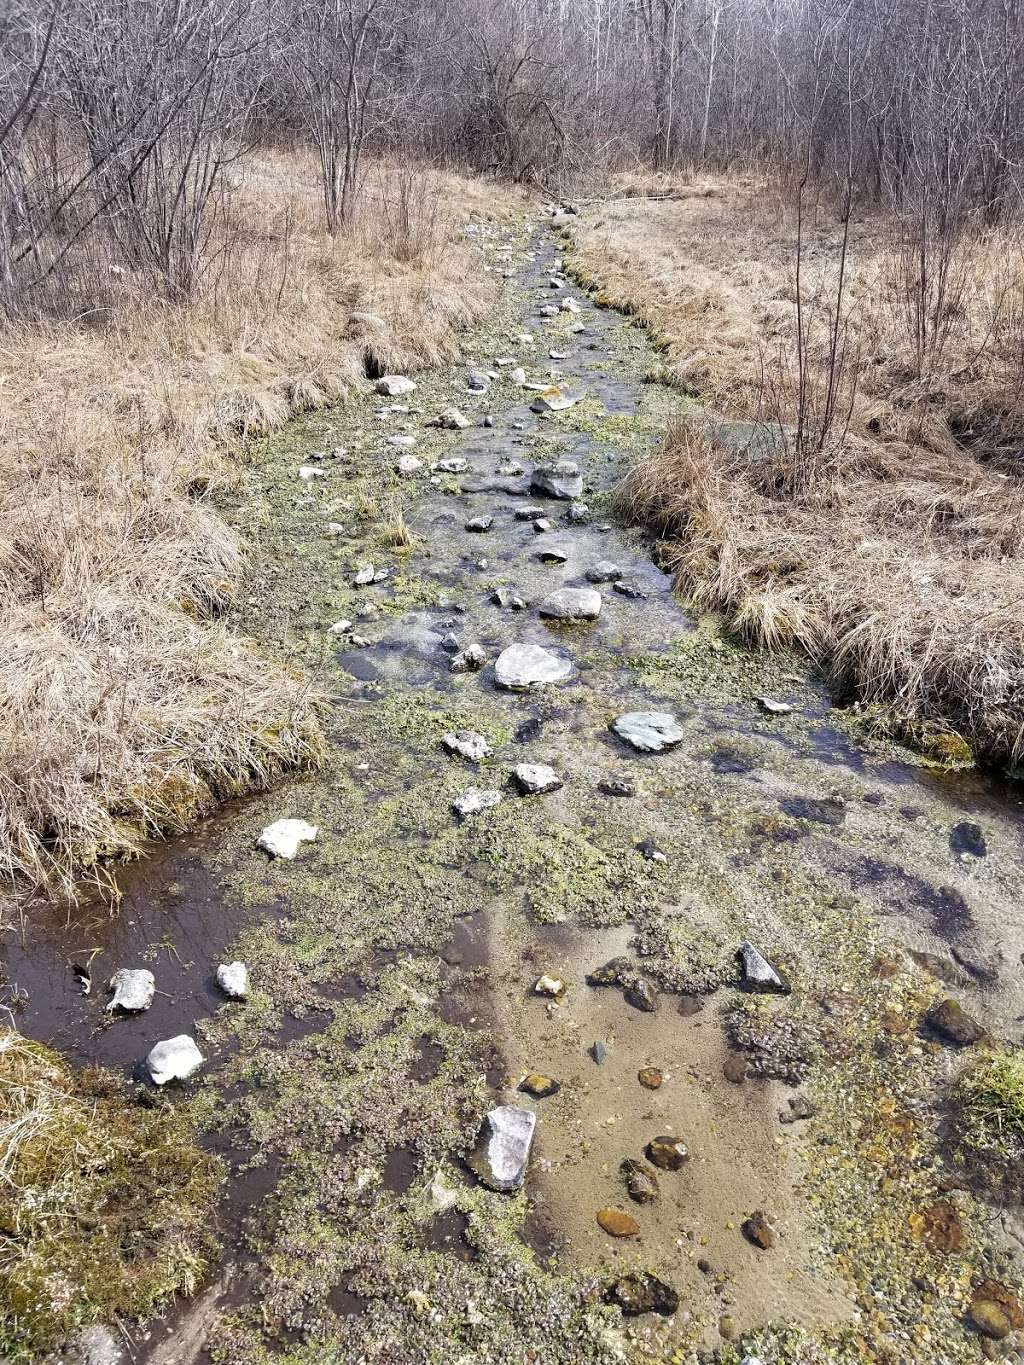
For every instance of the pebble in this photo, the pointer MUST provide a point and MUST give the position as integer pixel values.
(468, 660)
(282, 838)
(473, 801)
(667, 1153)
(539, 1086)
(641, 995)
(552, 986)
(534, 779)
(630, 588)
(599, 1052)
(641, 1182)
(467, 744)
(616, 1223)
(134, 988)
(758, 1231)
(233, 979)
(650, 1078)
(734, 1068)
(651, 851)
(505, 597)
(616, 786)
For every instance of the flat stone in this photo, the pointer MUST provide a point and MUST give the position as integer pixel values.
(649, 732)
(953, 1024)
(502, 1151)
(734, 1068)
(282, 838)
(604, 571)
(572, 604)
(616, 786)
(530, 513)
(543, 525)
(667, 1153)
(364, 575)
(773, 707)
(174, 1059)
(554, 399)
(642, 1293)
(616, 1223)
(539, 1086)
(525, 665)
(395, 385)
(553, 554)
(552, 986)
(233, 979)
(402, 440)
(534, 779)
(134, 988)
(758, 1231)
(454, 465)
(758, 972)
(308, 472)
(473, 801)
(641, 995)
(561, 479)
(640, 1181)
(630, 588)
(467, 744)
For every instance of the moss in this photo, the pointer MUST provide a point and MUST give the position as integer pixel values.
(105, 1206)
(991, 1102)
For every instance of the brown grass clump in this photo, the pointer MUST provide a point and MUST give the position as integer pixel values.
(105, 1205)
(126, 709)
(895, 557)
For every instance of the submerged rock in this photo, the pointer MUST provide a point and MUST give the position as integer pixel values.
(758, 972)
(523, 666)
(667, 1153)
(283, 837)
(468, 660)
(502, 1151)
(773, 707)
(572, 604)
(649, 732)
(534, 779)
(640, 1181)
(467, 744)
(641, 995)
(473, 801)
(642, 1293)
(616, 1223)
(562, 479)
(554, 399)
(953, 1024)
(134, 988)
(233, 979)
(629, 587)
(175, 1059)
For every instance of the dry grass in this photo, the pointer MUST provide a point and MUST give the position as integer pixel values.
(105, 1206)
(898, 568)
(125, 708)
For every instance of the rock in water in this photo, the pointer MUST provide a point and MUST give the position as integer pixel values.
(175, 1059)
(642, 1293)
(559, 480)
(133, 989)
(451, 420)
(954, 1025)
(641, 995)
(233, 979)
(468, 660)
(467, 744)
(650, 732)
(283, 837)
(473, 801)
(667, 1153)
(534, 779)
(502, 1151)
(773, 707)
(758, 972)
(604, 571)
(480, 524)
(572, 604)
(616, 1223)
(554, 399)
(522, 666)
(641, 1182)
(455, 465)
(395, 386)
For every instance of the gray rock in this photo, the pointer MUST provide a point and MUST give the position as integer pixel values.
(571, 306)
(403, 442)
(562, 479)
(477, 381)
(534, 779)
(525, 665)
(517, 376)
(455, 465)
(542, 525)
(502, 1151)
(572, 604)
(468, 660)
(599, 1052)
(554, 399)
(578, 514)
(451, 420)
(553, 554)
(773, 707)
(650, 732)
(604, 571)
(529, 513)
(488, 419)
(505, 597)
(548, 310)
(174, 1059)
(95, 1345)
(134, 988)
(233, 979)
(511, 469)
(395, 386)
(480, 524)
(363, 576)
(467, 744)
(641, 995)
(631, 588)
(758, 972)
(409, 464)
(473, 801)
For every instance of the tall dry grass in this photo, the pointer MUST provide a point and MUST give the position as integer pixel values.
(898, 565)
(126, 708)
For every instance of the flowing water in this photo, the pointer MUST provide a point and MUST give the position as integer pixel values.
(393, 962)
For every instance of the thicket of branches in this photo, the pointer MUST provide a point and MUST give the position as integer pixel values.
(120, 118)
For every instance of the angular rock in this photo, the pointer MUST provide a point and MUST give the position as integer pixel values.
(571, 306)
(480, 524)
(554, 399)
(511, 469)
(534, 779)
(616, 786)
(473, 801)
(616, 1223)
(540, 1087)
(552, 986)
(578, 514)
(454, 465)
(395, 386)
(233, 979)
(650, 850)
(773, 707)
(363, 575)
(641, 995)
(529, 513)
(758, 972)
(282, 838)
(502, 1151)
(552, 554)
(953, 1024)
(667, 1153)
(604, 571)
(467, 744)
(649, 732)
(640, 1181)
(505, 597)
(995, 1310)
(451, 420)
(522, 666)
(758, 1231)
(618, 972)
(175, 1059)
(562, 480)
(134, 988)
(478, 381)
(468, 660)
(599, 1052)
(542, 525)
(572, 604)
(517, 376)
(642, 1293)
(630, 588)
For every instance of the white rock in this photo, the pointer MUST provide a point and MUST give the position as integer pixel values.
(364, 574)
(553, 399)
(452, 420)
(133, 987)
(553, 986)
(340, 628)
(502, 1153)
(648, 731)
(309, 472)
(549, 310)
(503, 361)
(395, 386)
(409, 464)
(175, 1059)
(571, 306)
(455, 465)
(561, 479)
(572, 604)
(283, 837)
(442, 1195)
(525, 339)
(404, 442)
(233, 979)
(773, 707)
(467, 744)
(534, 779)
(522, 666)
(473, 801)
(334, 528)
(518, 375)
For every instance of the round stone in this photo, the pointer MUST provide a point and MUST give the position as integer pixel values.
(617, 1224)
(667, 1153)
(523, 666)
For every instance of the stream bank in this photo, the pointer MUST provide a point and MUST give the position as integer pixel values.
(393, 962)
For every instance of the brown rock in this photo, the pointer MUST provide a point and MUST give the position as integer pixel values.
(734, 1068)
(641, 995)
(540, 1087)
(938, 1226)
(995, 1310)
(756, 1229)
(690, 1005)
(667, 1153)
(642, 1293)
(650, 1077)
(954, 1025)
(727, 1328)
(618, 1224)
(641, 1182)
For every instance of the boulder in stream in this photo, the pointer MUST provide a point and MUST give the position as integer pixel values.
(650, 732)
(175, 1059)
(134, 988)
(502, 1152)
(561, 479)
(572, 604)
(233, 979)
(525, 665)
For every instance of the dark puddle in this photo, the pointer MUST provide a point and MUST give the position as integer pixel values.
(948, 912)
